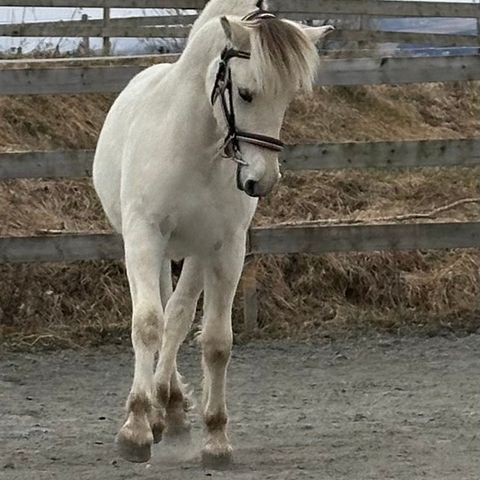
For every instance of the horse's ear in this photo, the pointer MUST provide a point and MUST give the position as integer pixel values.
(316, 33)
(237, 33)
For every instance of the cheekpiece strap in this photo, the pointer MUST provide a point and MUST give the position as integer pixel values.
(223, 89)
(221, 81)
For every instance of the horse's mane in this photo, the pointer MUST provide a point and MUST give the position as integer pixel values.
(282, 55)
(217, 8)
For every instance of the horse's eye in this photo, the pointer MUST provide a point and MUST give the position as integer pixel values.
(245, 95)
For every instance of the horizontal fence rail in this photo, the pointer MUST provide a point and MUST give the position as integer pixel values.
(52, 27)
(389, 70)
(92, 27)
(423, 153)
(156, 4)
(303, 239)
(364, 238)
(385, 8)
(60, 248)
(87, 29)
(143, 61)
(381, 36)
(53, 164)
(405, 154)
(135, 27)
(15, 80)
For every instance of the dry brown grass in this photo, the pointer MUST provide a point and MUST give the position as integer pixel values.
(386, 112)
(51, 122)
(300, 296)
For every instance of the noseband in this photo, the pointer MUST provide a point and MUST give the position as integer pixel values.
(223, 89)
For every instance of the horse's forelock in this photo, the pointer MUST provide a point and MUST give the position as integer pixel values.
(282, 55)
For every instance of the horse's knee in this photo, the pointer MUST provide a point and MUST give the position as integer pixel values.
(216, 349)
(176, 399)
(163, 393)
(216, 422)
(147, 327)
(139, 404)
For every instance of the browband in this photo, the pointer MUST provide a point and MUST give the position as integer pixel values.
(258, 15)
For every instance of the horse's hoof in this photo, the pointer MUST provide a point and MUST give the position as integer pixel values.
(217, 460)
(131, 451)
(157, 431)
(157, 424)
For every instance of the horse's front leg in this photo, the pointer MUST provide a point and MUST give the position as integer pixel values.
(144, 249)
(222, 274)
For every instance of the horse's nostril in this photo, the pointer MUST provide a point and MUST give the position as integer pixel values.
(250, 187)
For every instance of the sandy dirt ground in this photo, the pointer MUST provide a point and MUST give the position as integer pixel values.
(378, 408)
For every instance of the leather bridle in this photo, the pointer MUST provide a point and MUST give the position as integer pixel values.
(223, 89)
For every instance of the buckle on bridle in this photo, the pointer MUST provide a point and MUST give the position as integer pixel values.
(230, 144)
(220, 81)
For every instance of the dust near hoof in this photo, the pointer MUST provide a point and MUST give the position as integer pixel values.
(178, 435)
(216, 461)
(178, 439)
(132, 452)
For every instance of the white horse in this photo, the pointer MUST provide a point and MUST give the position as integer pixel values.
(164, 186)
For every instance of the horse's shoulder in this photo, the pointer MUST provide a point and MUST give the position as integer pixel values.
(154, 74)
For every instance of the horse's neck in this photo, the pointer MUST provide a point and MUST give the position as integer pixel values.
(216, 8)
(195, 112)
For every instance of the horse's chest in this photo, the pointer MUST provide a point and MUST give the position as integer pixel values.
(203, 228)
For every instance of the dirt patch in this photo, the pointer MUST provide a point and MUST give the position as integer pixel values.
(380, 408)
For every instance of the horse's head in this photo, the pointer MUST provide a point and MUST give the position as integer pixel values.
(265, 62)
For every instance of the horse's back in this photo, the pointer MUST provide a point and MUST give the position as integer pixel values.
(110, 152)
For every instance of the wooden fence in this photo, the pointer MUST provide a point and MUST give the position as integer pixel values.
(320, 156)
(178, 26)
(57, 77)
(313, 239)
(80, 76)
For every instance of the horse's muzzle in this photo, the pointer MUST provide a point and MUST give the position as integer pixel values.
(250, 187)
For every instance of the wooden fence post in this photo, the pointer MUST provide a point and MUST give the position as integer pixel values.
(85, 45)
(250, 302)
(363, 27)
(478, 26)
(107, 44)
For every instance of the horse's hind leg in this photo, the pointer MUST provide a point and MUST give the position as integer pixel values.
(179, 315)
(144, 250)
(221, 280)
(176, 418)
